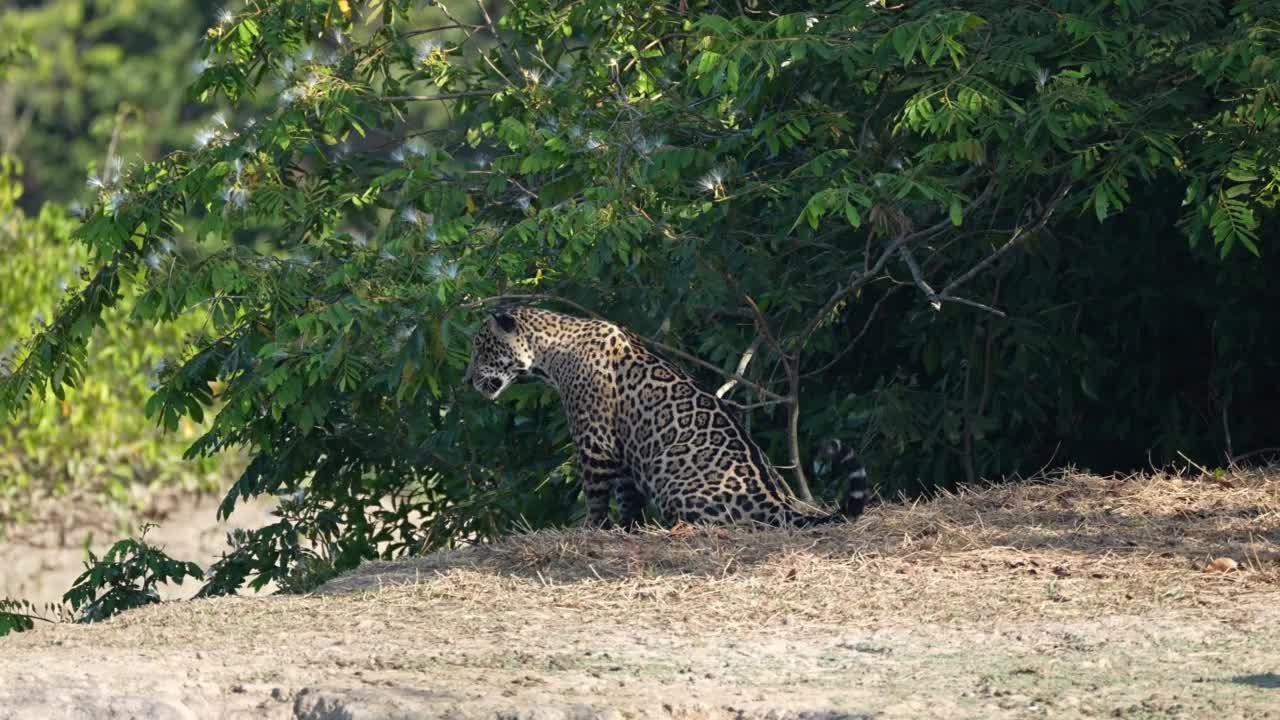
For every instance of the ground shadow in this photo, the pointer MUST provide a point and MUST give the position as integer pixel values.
(1270, 681)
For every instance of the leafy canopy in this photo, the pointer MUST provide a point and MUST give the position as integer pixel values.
(723, 175)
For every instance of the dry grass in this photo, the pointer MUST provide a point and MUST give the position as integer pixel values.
(1063, 545)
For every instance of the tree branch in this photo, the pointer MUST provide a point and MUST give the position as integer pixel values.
(742, 368)
(437, 97)
(1020, 234)
(918, 277)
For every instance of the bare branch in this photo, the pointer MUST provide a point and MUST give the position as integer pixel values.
(436, 97)
(875, 309)
(918, 277)
(860, 279)
(742, 368)
(1020, 234)
(973, 304)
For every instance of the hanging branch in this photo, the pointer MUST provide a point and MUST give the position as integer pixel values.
(742, 368)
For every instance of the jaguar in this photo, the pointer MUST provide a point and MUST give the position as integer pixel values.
(643, 428)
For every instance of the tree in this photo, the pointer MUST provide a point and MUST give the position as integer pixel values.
(720, 177)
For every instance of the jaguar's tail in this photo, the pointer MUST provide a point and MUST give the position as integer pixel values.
(846, 465)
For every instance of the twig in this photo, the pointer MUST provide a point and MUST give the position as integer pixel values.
(865, 326)
(972, 303)
(1254, 453)
(918, 277)
(1020, 234)
(742, 368)
(437, 97)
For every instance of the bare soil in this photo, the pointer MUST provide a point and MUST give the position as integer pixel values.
(1071, 596)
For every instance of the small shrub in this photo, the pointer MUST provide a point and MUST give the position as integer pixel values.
(125, 578)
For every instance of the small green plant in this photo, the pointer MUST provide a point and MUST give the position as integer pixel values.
(21, 615)
(125, 578)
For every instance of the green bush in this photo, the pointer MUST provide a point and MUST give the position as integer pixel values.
(977, 237)
(96, 439)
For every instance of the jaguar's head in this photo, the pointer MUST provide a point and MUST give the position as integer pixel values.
(501, 353)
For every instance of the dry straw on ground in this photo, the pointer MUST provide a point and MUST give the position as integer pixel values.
(1063, 544)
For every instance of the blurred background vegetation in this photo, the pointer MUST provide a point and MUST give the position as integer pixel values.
(302, 203)
(85, 84)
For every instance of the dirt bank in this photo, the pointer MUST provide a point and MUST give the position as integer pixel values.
(1079, 597)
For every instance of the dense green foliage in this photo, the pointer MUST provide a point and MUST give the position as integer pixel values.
(98, 439)
(974, 238)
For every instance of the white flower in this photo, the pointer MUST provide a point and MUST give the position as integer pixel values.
(219, 118)
(339, 38)
(440, 269)
(153, 261)
(386, 255)
(425, 50)
(236, 198)
(358, 238)
(114, 201)
(398, 154)
(417, 147)
(289, 96)
(76, 209)
(166, 246)
(226, 17)
(646, 145)
(413, 216)
(205, 136)
(809, 22)
(62, 285)
(482, 161)
(575, 132)
(114, 168)
(533, 75)
(523, 201)
(199, 66)
(95, 182)
(896, 164)
(306, 54)
(594, 144)
(1042, 77)
(712, 181)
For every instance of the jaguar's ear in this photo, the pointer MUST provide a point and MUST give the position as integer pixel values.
(502, 321)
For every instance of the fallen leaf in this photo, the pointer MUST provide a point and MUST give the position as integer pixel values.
(1222, 564)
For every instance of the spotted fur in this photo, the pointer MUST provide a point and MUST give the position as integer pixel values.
(643, 428)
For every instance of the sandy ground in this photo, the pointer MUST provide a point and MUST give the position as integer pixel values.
(1075, 597)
